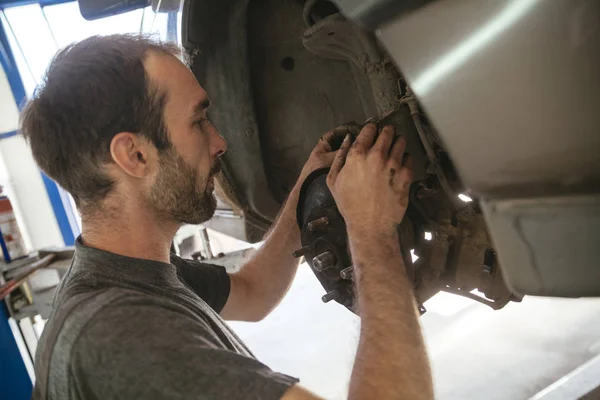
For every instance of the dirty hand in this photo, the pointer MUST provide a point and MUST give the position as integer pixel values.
(370, 181)
(321, 157)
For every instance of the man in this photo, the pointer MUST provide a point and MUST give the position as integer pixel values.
(121, 123)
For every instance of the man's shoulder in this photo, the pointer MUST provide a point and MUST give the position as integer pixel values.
(94, 333)
(102, 313)
(93, 323)
(112, 308)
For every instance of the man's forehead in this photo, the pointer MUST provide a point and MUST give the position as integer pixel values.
(176, 80)
(184, 93)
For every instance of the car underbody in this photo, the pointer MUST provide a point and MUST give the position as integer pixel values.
(281, 73)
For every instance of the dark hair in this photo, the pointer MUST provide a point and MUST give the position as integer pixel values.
(93, 90)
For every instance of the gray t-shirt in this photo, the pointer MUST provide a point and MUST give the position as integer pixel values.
(127, 328)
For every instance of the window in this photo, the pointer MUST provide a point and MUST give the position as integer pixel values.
(59, 25)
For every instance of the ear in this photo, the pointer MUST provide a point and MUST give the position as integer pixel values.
(132, 153)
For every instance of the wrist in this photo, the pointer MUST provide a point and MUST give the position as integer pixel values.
(379, 234)
(369, 245)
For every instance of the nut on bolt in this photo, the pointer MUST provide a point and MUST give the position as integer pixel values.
(317, 223)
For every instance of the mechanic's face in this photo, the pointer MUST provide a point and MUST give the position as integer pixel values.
(184, 185)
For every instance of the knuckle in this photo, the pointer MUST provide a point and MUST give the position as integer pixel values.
(394, 163)
(378, 155)
(357, 149)
(329, 180)
(369, 128)
(388, 130)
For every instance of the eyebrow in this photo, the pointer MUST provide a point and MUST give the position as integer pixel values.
(201, 106)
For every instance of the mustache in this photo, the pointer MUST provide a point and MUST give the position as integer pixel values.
(216, 168)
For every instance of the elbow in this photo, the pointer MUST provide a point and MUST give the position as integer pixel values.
(252, 314)
(257, 303)
(258, 308)
(258, 316)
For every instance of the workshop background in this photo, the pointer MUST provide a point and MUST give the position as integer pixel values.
(522, 351)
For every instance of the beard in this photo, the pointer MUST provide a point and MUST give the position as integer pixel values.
(180, 194)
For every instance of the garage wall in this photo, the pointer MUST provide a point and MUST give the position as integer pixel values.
(22, 180)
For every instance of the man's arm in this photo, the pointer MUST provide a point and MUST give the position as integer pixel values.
(370, 187)
(262, 282)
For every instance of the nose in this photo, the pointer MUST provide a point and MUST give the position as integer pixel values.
(219, 144)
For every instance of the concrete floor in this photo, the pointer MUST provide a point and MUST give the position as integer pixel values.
(476, 353)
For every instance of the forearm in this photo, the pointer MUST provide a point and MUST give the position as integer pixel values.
(391, 361)
(270, 272)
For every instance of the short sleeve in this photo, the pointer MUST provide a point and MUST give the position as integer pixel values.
(210, 282)
(135, 350)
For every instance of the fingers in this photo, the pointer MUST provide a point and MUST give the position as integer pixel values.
(398, 148)
(328, 158)
(324, 144)
(384, 140)
(365, 139)
(339, 160)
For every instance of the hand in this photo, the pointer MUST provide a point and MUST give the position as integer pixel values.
(321, 157)
(370, 181)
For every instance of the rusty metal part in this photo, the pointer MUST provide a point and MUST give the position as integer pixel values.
(326, 247)
(335, 37)
(457, 259)
(460, 259)
(323, 261)
(317, 223)
(301, 252)
(410, 100)
(327, 297)
(347, 273)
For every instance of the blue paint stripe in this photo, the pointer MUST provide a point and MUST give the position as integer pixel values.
(8, 134)
(16, 384)
(59, 210)
(70, 212)
(10, 68)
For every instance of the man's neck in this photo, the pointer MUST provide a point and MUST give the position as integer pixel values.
(131, 232)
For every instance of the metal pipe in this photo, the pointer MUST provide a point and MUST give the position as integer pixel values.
(413, 106)
(206, 248)
(14, 283)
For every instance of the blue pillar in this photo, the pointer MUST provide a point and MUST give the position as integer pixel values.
(14, 379)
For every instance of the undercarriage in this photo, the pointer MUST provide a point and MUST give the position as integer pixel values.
(281, 73)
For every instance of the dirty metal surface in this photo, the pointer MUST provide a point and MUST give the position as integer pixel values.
(277, 85)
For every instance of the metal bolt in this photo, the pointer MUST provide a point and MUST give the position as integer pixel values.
(317, 223)
(327, 297)
(347, 273)
(323, 261)
(301, 252)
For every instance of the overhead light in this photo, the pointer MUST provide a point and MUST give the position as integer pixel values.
(465, 198)
(428, 236)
